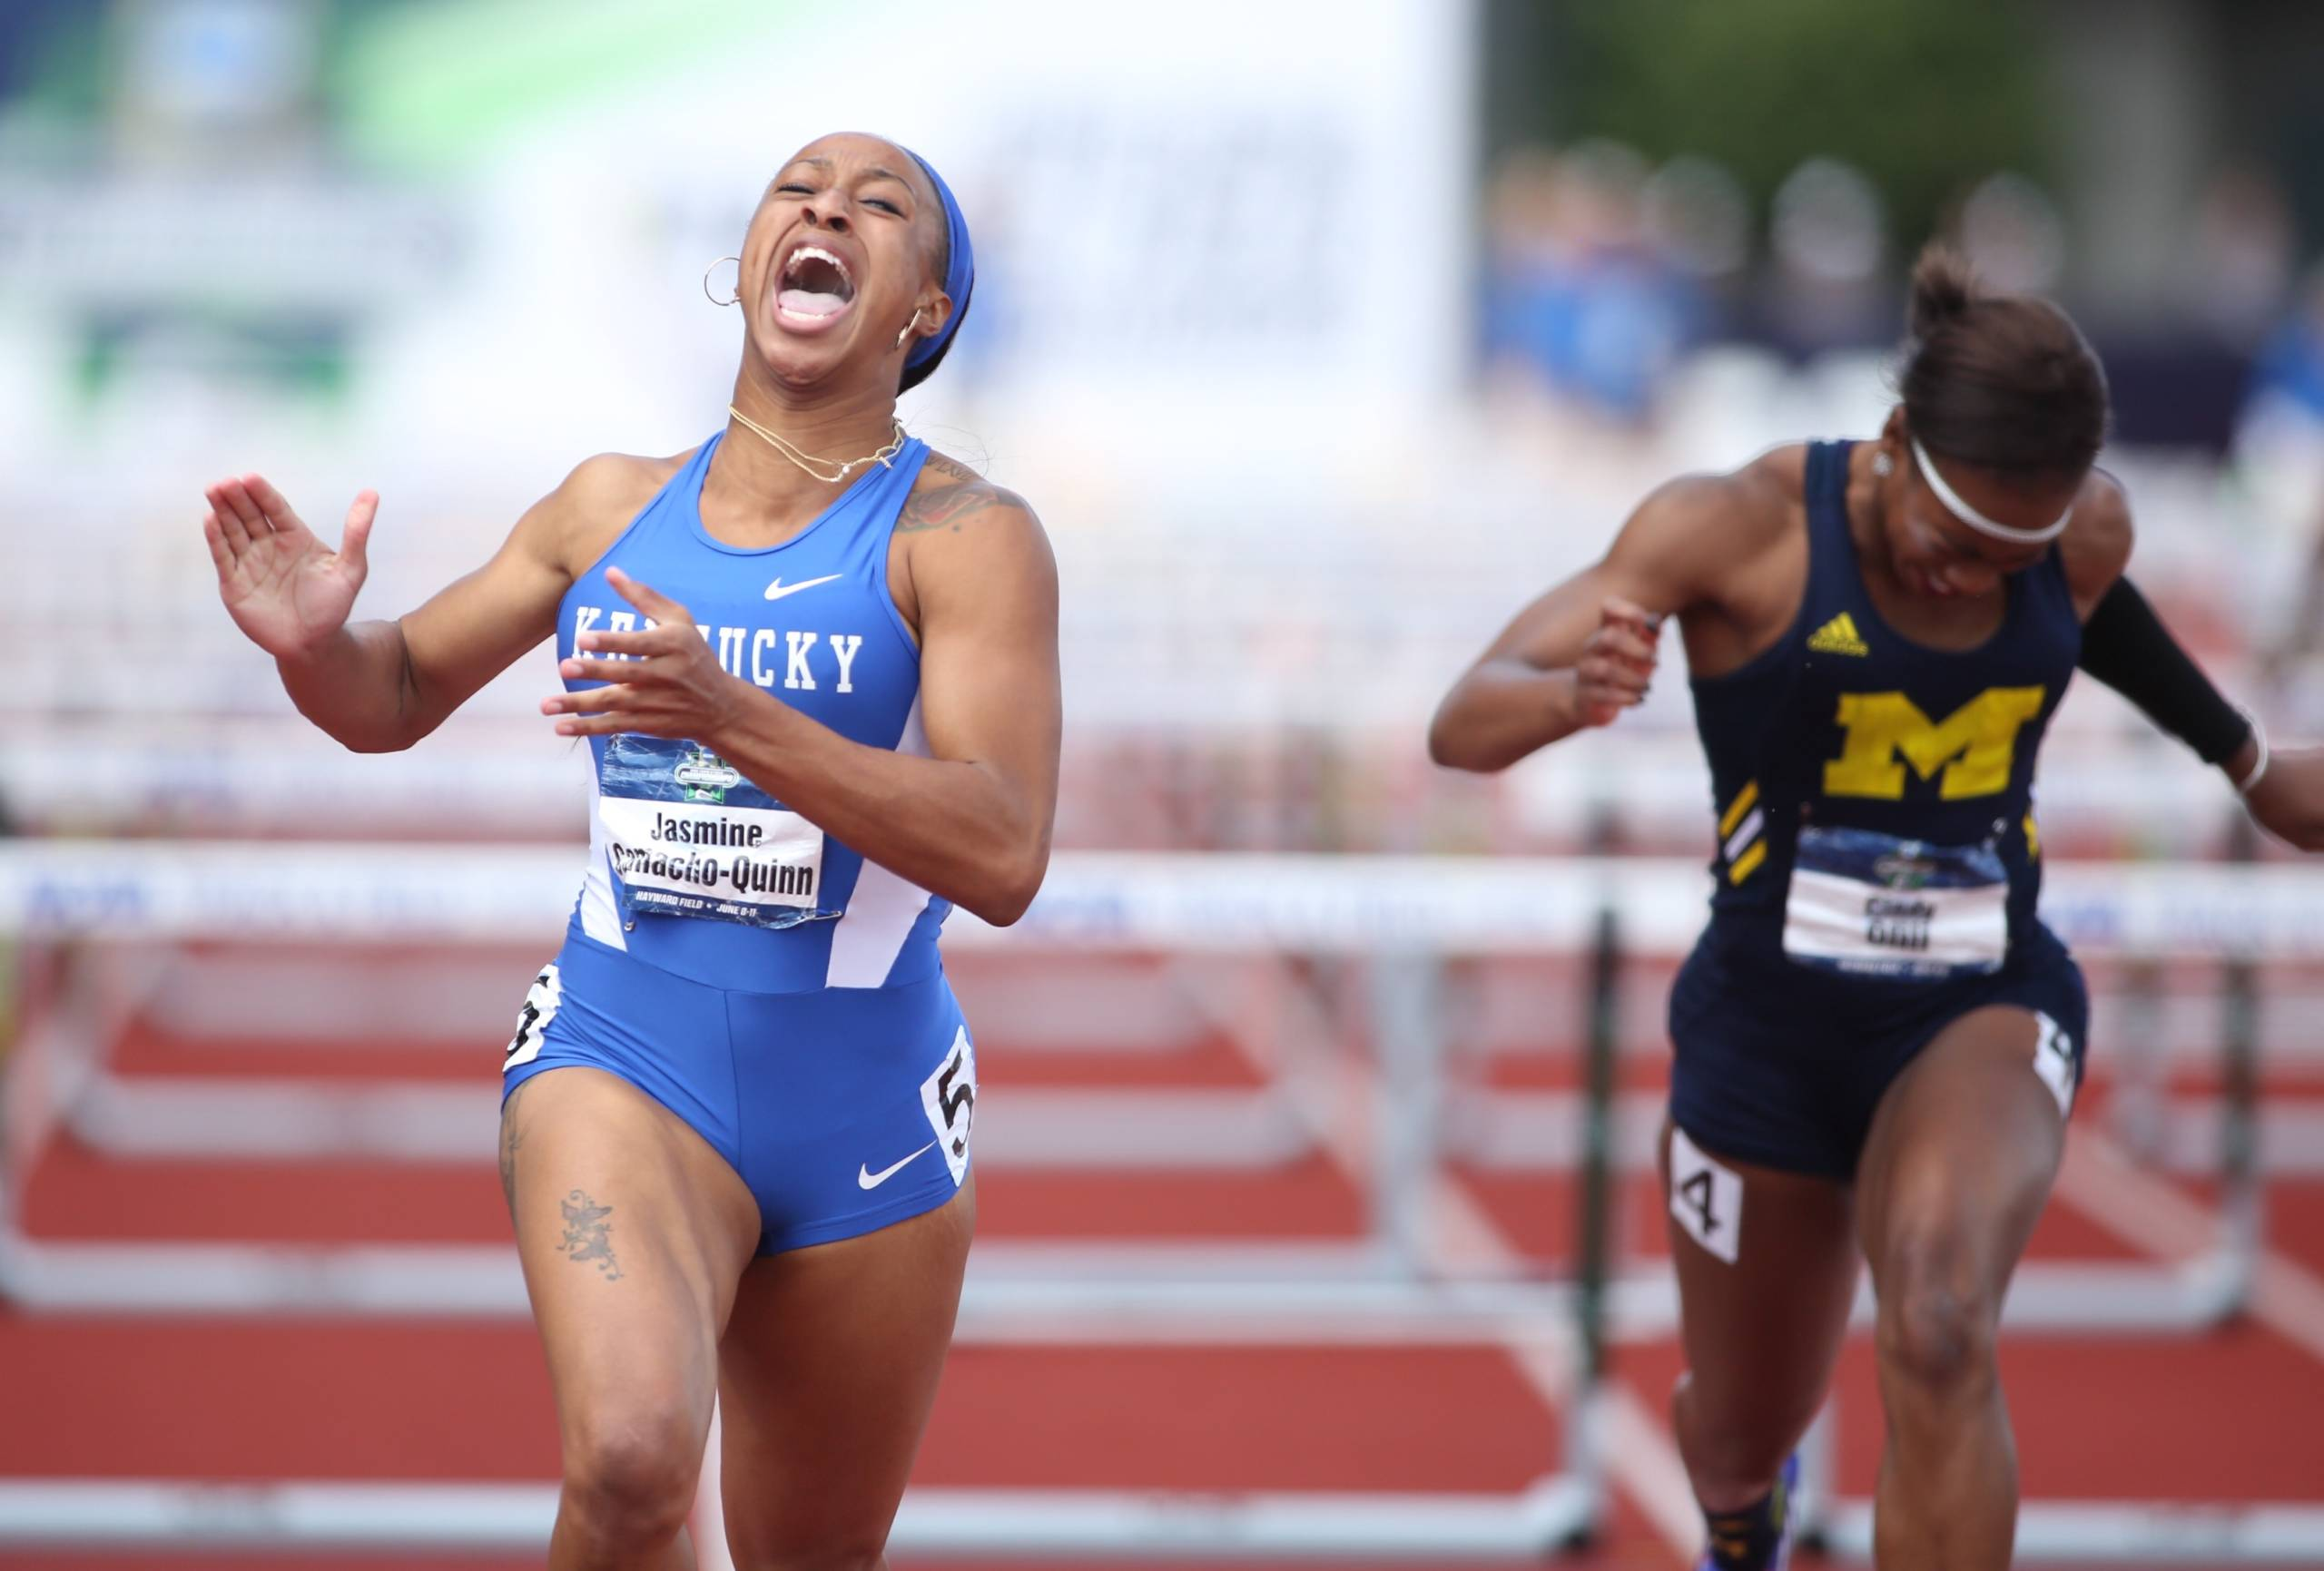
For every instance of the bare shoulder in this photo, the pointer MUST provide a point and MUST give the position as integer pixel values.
(949, 496)
(1719, 520)
(1768, 496)
(964, 541)
(2096, 547)
(614, 486)
(956, 515)
(620, 482)
(574, 524)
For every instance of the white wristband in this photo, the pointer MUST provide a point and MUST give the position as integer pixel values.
(2260, 764)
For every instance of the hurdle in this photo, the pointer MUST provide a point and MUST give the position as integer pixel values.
(108, 901)
(1400, 917)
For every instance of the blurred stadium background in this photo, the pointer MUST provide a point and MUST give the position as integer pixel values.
(1322, 335)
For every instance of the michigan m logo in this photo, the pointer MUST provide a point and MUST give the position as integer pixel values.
(1971, 748)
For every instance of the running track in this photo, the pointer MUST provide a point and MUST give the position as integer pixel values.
(2217, 1419)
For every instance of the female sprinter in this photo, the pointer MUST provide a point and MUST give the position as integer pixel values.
(817, 667)
(1877, 1041)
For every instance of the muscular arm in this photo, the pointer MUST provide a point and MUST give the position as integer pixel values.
(380, 686)
(971, 821)
(2126, 646)
(1534, 684)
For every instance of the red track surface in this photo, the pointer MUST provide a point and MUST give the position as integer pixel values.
(2220, 1417)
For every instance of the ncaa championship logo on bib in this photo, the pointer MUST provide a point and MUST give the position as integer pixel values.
(687, 835)
(1877, 905)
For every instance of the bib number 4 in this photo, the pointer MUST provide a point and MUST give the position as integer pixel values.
(1706, 1199)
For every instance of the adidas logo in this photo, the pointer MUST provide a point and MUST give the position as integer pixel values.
(1838, 637)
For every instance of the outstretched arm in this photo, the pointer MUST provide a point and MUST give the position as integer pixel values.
(970, 823)
(2125, 645)
(380, 686)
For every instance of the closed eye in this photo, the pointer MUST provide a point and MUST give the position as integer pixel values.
(794, 188)
(883, 202)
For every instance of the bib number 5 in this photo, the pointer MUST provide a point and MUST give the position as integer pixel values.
(949, 1098)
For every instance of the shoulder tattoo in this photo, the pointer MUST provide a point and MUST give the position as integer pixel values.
(950, 506)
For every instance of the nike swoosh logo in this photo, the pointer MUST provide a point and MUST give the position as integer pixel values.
(778, 589)
(867, 1179)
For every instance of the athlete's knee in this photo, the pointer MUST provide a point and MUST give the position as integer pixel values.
(630, 1479)
(1938, 1323)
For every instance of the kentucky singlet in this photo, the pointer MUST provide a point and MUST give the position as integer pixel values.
(1873, 796)
(693, 867)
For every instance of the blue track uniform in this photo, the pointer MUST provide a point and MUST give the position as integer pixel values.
(1878, 861)
(760, 979)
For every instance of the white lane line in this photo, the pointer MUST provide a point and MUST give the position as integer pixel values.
(2151, 1213)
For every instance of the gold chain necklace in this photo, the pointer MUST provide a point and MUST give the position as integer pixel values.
(814, 466)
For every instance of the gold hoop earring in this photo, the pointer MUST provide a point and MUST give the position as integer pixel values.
(902, 338)
(712, 268)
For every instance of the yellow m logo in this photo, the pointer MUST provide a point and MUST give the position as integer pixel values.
(1973, 747)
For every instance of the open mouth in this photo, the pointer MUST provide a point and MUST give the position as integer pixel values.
(815, 289)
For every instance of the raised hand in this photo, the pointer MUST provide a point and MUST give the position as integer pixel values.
(1617, 665)
(285, 589)
(668, 684)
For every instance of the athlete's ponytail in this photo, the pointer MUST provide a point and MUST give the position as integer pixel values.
(1999, 382)
(1943, 287)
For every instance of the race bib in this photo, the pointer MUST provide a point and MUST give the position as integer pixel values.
(688, 836)
(949, 1096)
(1875, 905)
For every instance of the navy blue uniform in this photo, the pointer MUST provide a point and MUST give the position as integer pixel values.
(1878, 861)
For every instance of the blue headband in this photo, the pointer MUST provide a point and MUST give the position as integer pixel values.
(960, 271)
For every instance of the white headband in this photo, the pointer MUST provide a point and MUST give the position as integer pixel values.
(1978, 521)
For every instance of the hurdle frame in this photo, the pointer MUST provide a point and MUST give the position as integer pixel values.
(1361, 908)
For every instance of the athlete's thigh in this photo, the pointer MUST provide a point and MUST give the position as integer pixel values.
(1962, 1151)
(634, 1232)
(1767, 1268)
(827, 1374)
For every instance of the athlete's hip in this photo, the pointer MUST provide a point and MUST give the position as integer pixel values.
(1741, 980)
(834, 1042)
(842, 1109)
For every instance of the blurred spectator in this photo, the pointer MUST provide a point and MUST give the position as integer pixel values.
(1829, 291)
(2012, 235)
(1697, 215)
(2182, 367)
(2238, 262)
(1581, 300)
(2290, 364)
(2283, 431)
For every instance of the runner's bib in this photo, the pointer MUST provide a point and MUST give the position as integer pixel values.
(1875, 905)
(687, 835)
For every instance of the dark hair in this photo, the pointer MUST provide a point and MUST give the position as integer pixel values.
(915, 375)
(2000, 382)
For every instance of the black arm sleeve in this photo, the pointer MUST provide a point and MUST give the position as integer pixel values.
(2125, 645)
